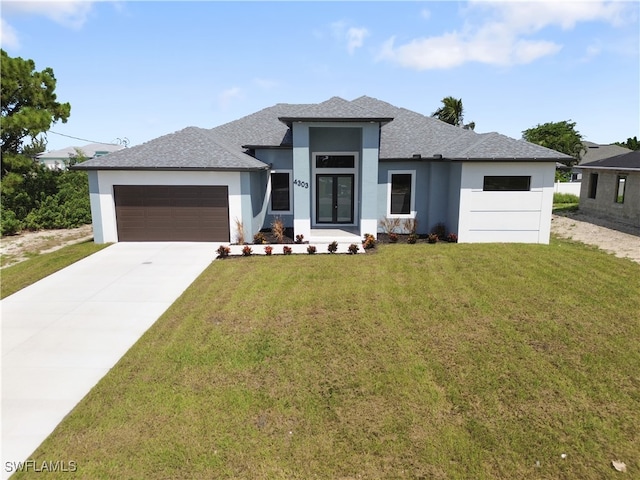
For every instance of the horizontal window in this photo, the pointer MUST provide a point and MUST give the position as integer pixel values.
(335, 161)
(507, 183)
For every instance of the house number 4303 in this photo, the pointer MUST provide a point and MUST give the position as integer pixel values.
(300, 183)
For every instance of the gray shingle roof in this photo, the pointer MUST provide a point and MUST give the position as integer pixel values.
(189, 149)
(408, 134)
(595, 151)
(626, 161)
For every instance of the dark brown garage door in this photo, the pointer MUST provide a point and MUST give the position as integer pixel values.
(154, 213)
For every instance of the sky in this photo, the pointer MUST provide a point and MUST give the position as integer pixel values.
(134, 71)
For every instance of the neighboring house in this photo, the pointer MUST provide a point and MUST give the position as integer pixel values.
(593, 152)
(611, 188)
(59, 159)
(331, 171)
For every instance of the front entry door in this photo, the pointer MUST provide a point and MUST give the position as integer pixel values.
(334, 198)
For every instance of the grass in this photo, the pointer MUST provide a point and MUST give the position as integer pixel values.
(417, 361)
(18, 276)
(565, 202)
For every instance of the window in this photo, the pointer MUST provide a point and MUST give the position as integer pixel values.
(507, 184)
(335, 161)
(280, 191)
(621, 181)
(401, 193)
(593, 185)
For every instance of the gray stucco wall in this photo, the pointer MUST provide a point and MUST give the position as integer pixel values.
(437, 196)
(604, 204)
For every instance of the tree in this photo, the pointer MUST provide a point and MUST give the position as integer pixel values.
(560, 136)
(452, 112)
(29, 104)
(631, 143)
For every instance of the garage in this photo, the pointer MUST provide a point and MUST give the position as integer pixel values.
(161, 213)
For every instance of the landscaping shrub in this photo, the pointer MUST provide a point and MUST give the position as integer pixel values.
(432, 238)
(393, 237)
(268, 250)
(286, 250)
(565, 198)
(9, 223)
(353, 249)
(440, 230)
(452, 238)
(277, 229)
(223, 252)
(369, 241)
(259, 238)
(390, 225)
(247, 251)
(333, 247)
(311, 249)
(412, 238)
(299, 238)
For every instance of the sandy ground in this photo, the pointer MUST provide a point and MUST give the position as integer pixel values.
(16, 248)
(601, 233)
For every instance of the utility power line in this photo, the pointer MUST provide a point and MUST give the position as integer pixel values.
(123, 141)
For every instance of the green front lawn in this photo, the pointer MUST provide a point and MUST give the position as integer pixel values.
(23, 274)
(415, 361)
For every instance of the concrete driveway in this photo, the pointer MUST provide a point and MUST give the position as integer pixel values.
(61, 335)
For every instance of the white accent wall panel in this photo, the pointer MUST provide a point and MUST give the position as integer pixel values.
(506, 217)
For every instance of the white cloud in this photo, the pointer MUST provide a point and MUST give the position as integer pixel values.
(355, 38)
(426, 14)
(72, 13)
(501, 36)
(230, 94)
(8, 36)
(352, 36)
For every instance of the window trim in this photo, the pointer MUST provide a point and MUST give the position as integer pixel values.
(281, 212)
(619, 199)
(412, 209)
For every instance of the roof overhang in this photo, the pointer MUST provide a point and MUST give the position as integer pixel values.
(291, 120)
(169, 169)
(617, 169)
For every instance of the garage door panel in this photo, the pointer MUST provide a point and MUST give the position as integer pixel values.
(172, 213)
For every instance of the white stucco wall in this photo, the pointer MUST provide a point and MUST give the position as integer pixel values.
(523, 217)
(103, 208)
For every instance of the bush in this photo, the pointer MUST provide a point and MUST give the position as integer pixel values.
(268, 250)
(565, 198)
(9, 223)
(259, 238)
(432, 238)
(277, 228)
(440, 230)
(412, 238)
(223, 252)
(286, 250)
(311, 249)
(369, 241)
(299, 238)
(246, 251)
(333, 247)
(393, 237)
(353, 249)
(452, 238)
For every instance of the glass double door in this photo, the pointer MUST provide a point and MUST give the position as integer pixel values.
(334, 198)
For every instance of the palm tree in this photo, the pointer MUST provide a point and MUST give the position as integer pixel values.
(452, 113)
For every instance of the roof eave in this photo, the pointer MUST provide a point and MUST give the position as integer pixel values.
(170, 169)
(290, 120)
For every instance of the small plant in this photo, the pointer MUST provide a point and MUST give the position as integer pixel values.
(432, 238)
(286, 250)
(223, 252)
(259, 238)
(393, 237)
(410, 225)
(369, 241)
(268, 250)
(412, 238)
(246, 251)
(333, 247)
(311, 249)
(353, 249)
(390, 225)
(440, 230)
(452, 238)
(239, 231)
(299, 238)
(277, 228)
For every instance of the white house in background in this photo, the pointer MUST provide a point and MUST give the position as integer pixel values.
(331, 171)
(59, 159)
